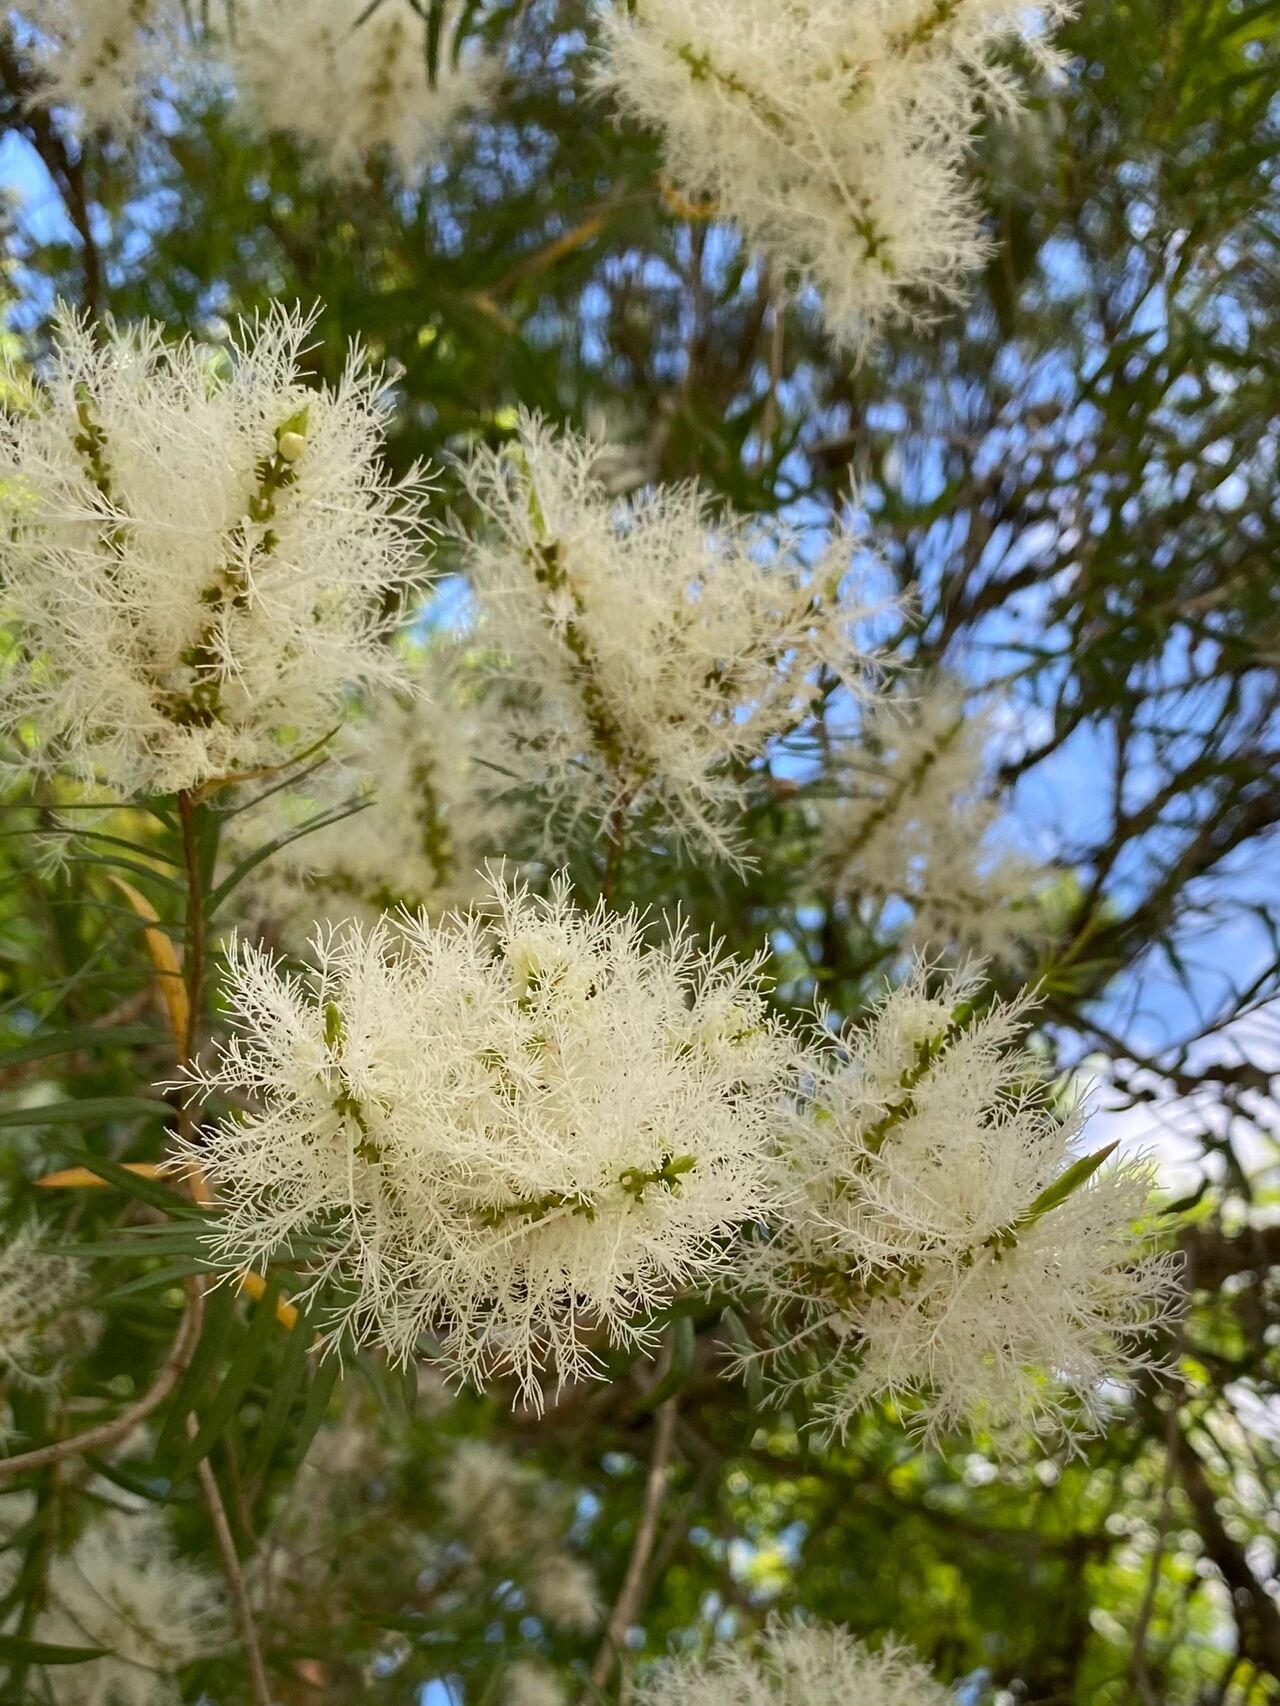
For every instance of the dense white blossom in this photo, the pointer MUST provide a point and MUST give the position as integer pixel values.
(526, 1682)
(492, 1499)
(201, 552)
(796, 1664)
(565, 1592)
(121, 1586)
(507, 1132)
(923, 1243)
(36, 1287)
(106, 59)
(345, 84)
(433, 815)
(834, 133)
(916, 818)
(650, 648)
(507, 1515)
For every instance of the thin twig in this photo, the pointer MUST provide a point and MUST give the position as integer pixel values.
(615, 840)
(627, 1605)
(109, 1433)
(193, 966)
(235, 1576)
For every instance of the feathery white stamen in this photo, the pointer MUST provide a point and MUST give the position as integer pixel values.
(122, 1587)
(510, 1134)
(834, 133)
(347, 85)
(917, 819)
(187, 602)
(796, 1664)
(651, 649)
(912, 1246)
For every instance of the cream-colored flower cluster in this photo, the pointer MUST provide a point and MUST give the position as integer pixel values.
(104, 60)
(203, 554)
(347, 81)
(120, 1586)
(509, 1136)
(916, 819)
(935, 1245)
(432, 814)
(502, 1514)
(36, 1287)
(796, 1664)
(653, 650)
(833, 133)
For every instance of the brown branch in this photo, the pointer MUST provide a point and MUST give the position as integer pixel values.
(64, 167)
(627, 1605)
(110, 1433)
(1257, 1617)
(235, 1576)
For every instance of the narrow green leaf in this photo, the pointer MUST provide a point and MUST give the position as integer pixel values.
(157, 1489)
(321, 820)
(149, 1191)
(317, 1405)
(435, 23)
(87, 1111)
(219, 1313)
(17, 1649)
(236, 1381)
(134, 865)
(284, 1389)
(736, 1329)
(683, 1343)
(1065, 1185)
(80, 1037)
(137, 1243)
(173, 1273)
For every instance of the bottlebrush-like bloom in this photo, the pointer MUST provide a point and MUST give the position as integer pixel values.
(505, 1132)
(796, 1664)
(122, 1587)
(650, 648)
(345, 84)
(931, 1245)
(832, 132)
(435, 817)
(565, 1593)
(492, 1500)
(506, 1514)
(528, 1683)
(202, 553)
(104, 59)
(917, 820)
(35, 1288)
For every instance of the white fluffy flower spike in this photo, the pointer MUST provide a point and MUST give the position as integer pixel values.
(35, 1288)
(435, 816)
(797, 1664)
(121, 1587)
(936, 1243)
(651, 648)
(918, 820)
(507, 1133)
(201, 554)
(346, 80)
(832, 132)
(105, 59)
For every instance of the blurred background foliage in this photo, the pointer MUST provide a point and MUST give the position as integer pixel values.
(1075, 480)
